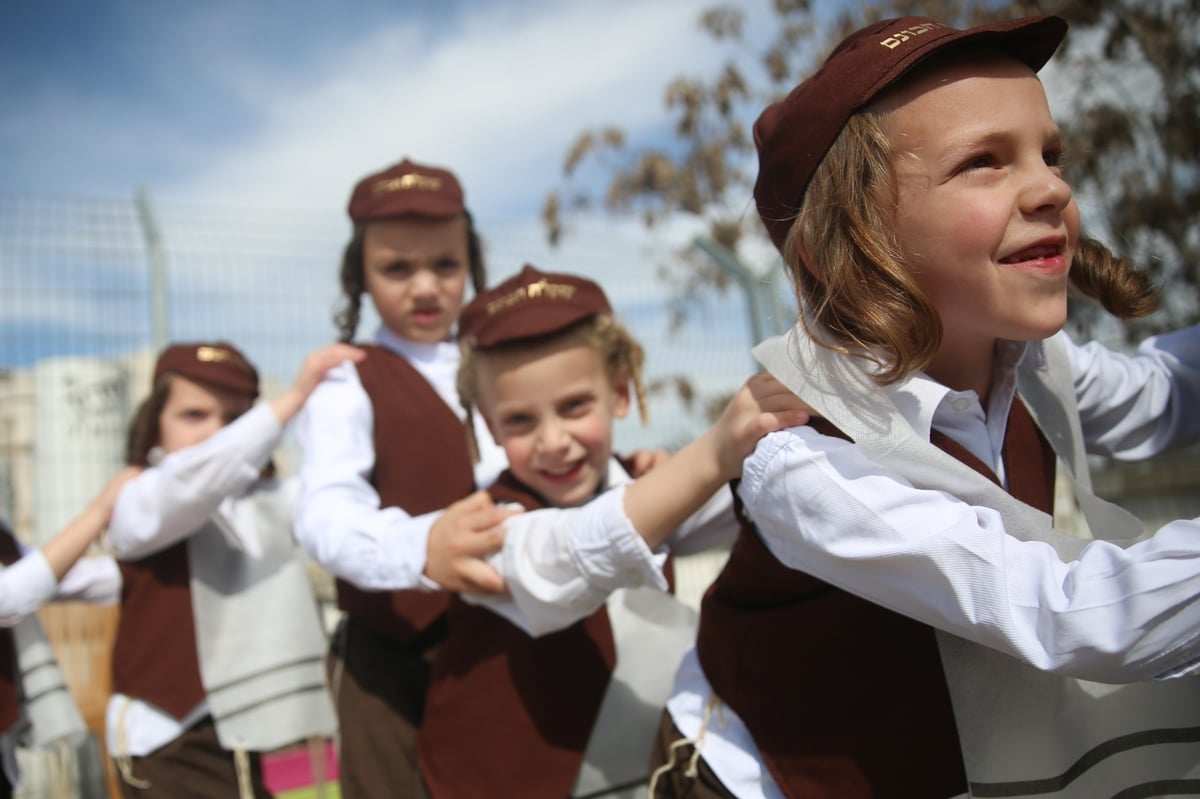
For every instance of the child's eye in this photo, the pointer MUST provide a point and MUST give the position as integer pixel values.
(577, 406)
(517, 422)
(1053, 157)
(398, 269)
(977, 162)
(448, 266)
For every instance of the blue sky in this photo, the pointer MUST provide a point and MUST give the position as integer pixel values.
(284, 105)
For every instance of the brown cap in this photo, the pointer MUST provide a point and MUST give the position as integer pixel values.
(217, 364)
(531, 303)
(793, 135)
(407, 188)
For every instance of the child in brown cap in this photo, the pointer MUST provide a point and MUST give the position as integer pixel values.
(899, 616)
(219, 651)
(383, 448)
(573, 711)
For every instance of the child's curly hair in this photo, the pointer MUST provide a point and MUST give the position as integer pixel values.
(855, 285)
(623, 359)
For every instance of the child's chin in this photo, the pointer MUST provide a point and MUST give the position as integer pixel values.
(570, 496)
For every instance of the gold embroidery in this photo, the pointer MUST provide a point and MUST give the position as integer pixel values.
(410, 181)
(211, 355)
(542, 288)
(900, 37)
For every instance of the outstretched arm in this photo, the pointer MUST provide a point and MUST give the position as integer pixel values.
(562, 563)
(35, 578)
(70, 543)
(660, 501)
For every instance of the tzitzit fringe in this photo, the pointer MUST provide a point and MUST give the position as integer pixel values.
(241, 762)
(61, 770)
(123, 760)
(696, 743)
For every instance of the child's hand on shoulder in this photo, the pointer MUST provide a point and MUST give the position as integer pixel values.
(763, 405)
(312, 372)
(321, 360)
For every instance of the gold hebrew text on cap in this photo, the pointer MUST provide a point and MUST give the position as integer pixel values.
(900, 37)
(542, 288)
(211, 355)
(410, 181)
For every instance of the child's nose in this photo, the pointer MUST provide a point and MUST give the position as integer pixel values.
(1046, 190)
(424, 281)
(553, 437)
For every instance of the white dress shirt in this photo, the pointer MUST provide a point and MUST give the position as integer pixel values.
(338, 520)
(932, 557)
(29, 583)
(561, 564)
(165, 504)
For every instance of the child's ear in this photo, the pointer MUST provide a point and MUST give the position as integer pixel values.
(621, 409)
(487, 419)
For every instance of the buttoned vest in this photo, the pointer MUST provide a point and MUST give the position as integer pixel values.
(517, 709)
(422, 464)
(1022, 731)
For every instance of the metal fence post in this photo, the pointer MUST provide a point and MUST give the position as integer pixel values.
(156, 261)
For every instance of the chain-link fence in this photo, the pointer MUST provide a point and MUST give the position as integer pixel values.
(94, 287)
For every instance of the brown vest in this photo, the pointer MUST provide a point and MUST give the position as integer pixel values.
(422, 464)
(10, 703)
(509, 715)
(845, 699)
(154, 656)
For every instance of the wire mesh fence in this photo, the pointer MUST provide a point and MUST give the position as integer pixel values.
(93, 287)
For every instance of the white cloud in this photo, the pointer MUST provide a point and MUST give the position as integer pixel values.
(498, 101)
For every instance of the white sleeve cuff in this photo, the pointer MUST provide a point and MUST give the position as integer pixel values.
(607, 550)
(24, 587)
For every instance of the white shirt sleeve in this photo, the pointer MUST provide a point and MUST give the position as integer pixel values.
(339, 521)
(24, 587)
(1112, 615)
(713, 525)
(561, 564)
(29, 583)
(95, 579)
(1136, 406)
(168, 502)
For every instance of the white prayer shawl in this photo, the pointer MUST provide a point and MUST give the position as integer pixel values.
(1024, 732)
(46, 702)
(258, 634)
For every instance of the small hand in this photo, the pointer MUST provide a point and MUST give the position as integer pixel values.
(312, 372)
(466, 533)
(763, 405)
(643, 460)
(321, 360)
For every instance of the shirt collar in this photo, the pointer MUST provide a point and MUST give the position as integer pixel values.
(414, 350)
(924, 403)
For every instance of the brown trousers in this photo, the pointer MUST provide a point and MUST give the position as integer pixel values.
(193, 766)
(379, 686)
(675, 783)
